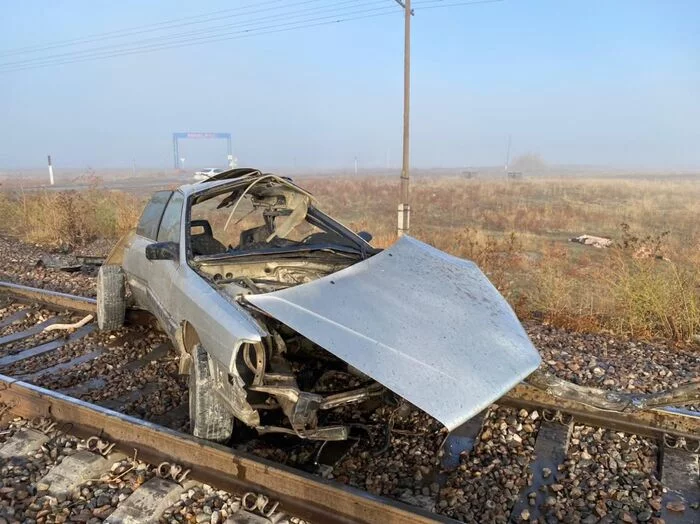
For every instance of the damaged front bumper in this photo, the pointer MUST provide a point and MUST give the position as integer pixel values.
(300, 407)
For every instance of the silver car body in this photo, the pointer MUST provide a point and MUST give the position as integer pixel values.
(424, 324)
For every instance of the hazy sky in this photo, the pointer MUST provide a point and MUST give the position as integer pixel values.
(578, 82)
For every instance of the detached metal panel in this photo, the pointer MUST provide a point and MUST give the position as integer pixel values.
(427, 325)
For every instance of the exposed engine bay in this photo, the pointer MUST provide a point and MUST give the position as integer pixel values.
(270, 274)
(280, 244)
(290, 381)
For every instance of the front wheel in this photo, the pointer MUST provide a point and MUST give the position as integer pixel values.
(111, 298)
(209, 417)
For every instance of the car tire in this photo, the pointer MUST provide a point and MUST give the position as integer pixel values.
(210, 418)
(111, 298)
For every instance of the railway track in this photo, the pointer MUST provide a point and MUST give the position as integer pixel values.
(252, 480)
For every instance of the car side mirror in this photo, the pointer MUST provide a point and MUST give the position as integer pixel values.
(364, 235)
(163, 251)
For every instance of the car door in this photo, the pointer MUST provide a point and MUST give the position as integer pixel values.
(135, 264)
(162, 273)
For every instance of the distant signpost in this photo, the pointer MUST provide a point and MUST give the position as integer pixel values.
(198, 136)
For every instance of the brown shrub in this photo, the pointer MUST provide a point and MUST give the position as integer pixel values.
(70, 218)
(515, 231)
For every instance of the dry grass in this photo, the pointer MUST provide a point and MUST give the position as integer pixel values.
(516, 231)
(69, 218)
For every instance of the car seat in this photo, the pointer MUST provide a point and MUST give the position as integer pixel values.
(204, 243)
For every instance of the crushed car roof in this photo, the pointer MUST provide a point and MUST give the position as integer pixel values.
(233, 178)
(425, 324)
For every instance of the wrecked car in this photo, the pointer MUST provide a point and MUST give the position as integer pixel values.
(265, 297)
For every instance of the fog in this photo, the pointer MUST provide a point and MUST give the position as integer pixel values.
(576, 83)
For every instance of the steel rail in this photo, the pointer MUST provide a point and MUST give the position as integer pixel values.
(299, 493)
(651, 422)
(646, 422)
(49, 298)
(63, 301)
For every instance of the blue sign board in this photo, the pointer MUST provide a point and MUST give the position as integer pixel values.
(178, 136)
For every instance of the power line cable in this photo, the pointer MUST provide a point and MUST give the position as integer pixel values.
(178, 37)
(441, 3)
(336, 9)
(158, 26)
(180, 42)
(275, 28)
(173, 23)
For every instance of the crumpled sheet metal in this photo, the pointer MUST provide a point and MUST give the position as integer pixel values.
(425, 324)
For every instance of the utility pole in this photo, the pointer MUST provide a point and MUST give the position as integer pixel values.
(404, 210)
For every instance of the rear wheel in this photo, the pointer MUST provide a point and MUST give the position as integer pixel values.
(111, 298)
(209, 417)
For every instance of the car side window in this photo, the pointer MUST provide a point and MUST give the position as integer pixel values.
(150, 218)
(170, 223)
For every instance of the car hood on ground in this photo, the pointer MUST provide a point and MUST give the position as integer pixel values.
(425, 324)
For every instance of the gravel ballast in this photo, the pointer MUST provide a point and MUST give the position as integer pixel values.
(396, 451)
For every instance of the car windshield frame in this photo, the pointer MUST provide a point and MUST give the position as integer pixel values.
(357, 245)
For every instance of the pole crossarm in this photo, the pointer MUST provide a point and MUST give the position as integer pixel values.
(402, 4)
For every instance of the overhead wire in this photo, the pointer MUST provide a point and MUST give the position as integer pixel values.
(218, 30)
(233, 35)
(164, 42)
(158, 26)
(443, 3)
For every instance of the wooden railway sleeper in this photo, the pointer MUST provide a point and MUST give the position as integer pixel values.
(6, 406)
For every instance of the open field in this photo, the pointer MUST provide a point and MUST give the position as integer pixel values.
(518, 232)
(647, 285)
(499, 466)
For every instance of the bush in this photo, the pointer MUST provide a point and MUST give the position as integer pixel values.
(634, 290)
(656, 297)
(647, 285)
(69, 218)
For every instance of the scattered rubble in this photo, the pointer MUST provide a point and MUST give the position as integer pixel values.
(601, 361)
(593, 241)
(71, 263)
(18, 264)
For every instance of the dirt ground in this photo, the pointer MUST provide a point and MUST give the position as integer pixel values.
(129, 370)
